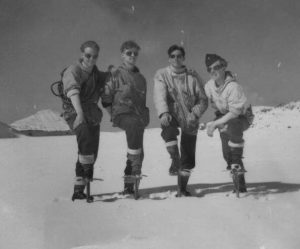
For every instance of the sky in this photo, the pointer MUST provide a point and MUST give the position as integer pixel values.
(259, 38)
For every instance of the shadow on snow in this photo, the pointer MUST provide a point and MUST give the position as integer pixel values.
(256, 190)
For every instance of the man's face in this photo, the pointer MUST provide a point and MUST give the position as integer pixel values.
(176, 59)
(130, 56)
(89, 56)
(216, 70)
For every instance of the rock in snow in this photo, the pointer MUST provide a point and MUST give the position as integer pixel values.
(42, 123)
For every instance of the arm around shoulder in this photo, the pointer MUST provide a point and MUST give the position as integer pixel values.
(160, 92)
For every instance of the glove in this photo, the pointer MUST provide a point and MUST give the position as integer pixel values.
(165, 119)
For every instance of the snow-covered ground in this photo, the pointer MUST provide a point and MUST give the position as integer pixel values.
(37, 182)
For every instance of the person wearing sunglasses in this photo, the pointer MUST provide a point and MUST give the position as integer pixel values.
(180, 101)
(127, 89)
(228, 99)
(83, 85)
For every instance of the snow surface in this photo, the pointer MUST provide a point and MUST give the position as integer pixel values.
(37, 182)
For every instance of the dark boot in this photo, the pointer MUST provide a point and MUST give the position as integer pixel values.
(240, 171)
(88, 171)
(175, 156)
(128, 187)
(136, 164)
(173, 170)
(78, 193)
(242, 183)
(237, 156)
(184, 178)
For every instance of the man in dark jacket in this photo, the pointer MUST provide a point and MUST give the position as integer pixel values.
(127, 91)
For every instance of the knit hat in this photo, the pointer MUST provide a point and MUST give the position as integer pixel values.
(212, 58)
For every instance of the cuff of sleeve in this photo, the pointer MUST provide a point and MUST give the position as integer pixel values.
(235, 111)
(162, 113)
(72, 92)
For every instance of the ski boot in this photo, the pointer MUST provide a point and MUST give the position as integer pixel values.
(175, 157)
(173, 170)
(88, 171)
(237, 174)
(182, 180)
(131, 185)
(78, 193)
(128, 187)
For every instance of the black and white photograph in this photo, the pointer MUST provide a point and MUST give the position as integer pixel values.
(149, 124)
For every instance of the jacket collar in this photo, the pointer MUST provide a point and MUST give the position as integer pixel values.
(135, 69)
(88, 70)
(174, 71)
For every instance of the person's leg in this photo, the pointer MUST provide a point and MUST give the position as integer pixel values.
(226, 149)
(188, 153)
(236, 143)
(169, 134)
(96, 134)
(87, 141)
(134, 130)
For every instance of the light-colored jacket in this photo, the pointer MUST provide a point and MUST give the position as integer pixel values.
(227, 98)
(180, 94)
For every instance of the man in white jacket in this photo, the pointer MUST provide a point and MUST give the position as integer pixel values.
(228, 99)
(180, 101)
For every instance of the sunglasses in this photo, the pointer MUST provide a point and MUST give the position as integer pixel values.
(88, 56)
(131, 53)
(179, 56)
(214, 68)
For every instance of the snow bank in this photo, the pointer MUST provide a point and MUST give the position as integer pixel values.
(45, 121)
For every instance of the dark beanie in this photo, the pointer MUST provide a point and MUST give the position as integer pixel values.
(212, 58)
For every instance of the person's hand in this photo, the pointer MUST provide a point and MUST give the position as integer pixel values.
(165, 119)
(191, 118)
(78, 120)
(202, 126)
(222, 128)
(210, 128)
